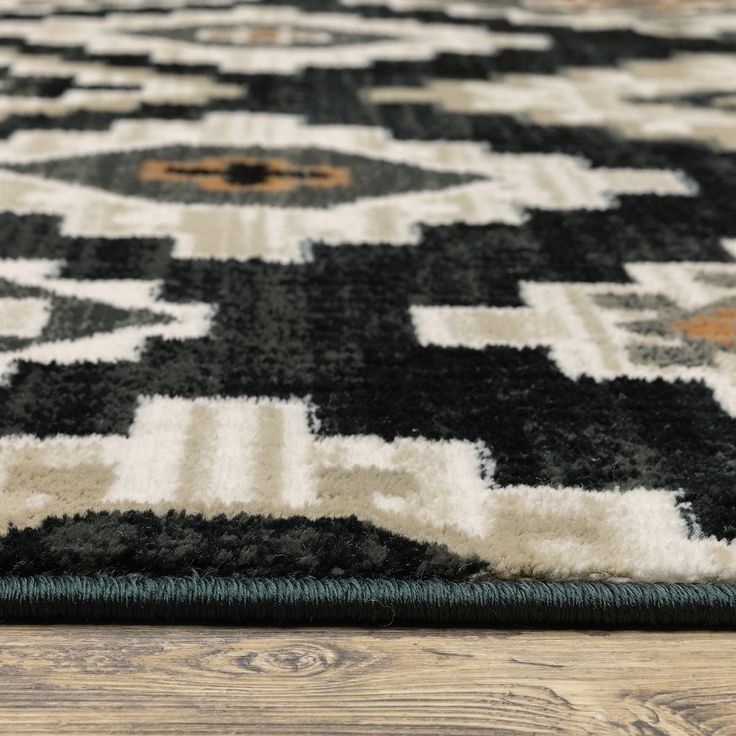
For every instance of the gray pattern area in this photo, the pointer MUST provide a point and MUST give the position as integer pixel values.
(70, 318)
(277, 177)
(256, 36)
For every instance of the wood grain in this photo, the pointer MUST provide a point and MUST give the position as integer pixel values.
(217, 681)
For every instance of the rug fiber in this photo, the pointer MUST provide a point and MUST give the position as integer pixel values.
(368, 311)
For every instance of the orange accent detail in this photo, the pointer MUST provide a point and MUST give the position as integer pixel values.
(265, 34)
(259, 34)
(718, 326)
(213, 180)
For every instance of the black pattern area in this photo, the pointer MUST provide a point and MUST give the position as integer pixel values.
(250, 546)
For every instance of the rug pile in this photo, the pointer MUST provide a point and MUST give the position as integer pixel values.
(368, 311)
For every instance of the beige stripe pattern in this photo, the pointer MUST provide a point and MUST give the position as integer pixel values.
(436, 491)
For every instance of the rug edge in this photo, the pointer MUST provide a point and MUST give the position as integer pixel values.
(355, 601)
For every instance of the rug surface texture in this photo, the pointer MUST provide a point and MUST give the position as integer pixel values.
(368, 311)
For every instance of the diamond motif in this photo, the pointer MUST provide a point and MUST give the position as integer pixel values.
(289, 177)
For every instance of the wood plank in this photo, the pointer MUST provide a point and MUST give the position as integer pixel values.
(187, 680)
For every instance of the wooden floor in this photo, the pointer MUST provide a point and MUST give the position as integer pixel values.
(147, 680)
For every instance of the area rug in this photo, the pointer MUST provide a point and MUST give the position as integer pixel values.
(368, 311)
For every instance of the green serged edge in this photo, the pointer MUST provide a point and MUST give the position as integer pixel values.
(305, 601)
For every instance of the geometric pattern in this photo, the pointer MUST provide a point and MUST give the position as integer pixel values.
(676, 321)
(278, 39)
(226, 456)
(666, 18)
(67, 86)
(46, 319)
(689, 95)
(393, 289)
(254, 185)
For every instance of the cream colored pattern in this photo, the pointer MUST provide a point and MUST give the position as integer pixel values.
(623, 97)
(691, 22)
(511, 183)
(131, 87)
(587, 339)
(389, 39)
(693, 18)
(260, 456)
(26, 317)
(45, 7)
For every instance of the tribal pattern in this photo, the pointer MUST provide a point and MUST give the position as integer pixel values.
(393, 289)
